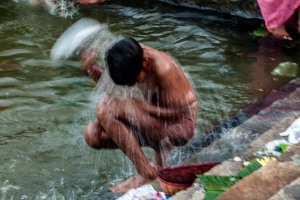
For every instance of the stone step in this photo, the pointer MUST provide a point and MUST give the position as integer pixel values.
(263, 183)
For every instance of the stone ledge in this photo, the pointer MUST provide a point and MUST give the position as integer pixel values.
(278, 116)
(263, 183)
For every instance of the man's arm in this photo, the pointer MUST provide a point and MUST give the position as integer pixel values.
(90, 66)
(95, 72)
(171, 113)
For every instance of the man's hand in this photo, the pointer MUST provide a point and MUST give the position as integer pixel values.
(90, 66)
(87, 62)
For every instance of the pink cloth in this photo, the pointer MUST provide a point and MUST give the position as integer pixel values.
(277, 12)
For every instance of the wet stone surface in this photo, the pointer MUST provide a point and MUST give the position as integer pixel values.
(278, 179)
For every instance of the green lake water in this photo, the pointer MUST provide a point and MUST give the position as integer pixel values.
(45, 104)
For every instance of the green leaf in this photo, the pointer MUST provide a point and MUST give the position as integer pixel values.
(283, 147)
(211, 195)
(286, 69)
(251, 167)
(217, 183)
(259, 32)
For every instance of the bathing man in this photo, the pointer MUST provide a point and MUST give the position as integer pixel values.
(166, 117)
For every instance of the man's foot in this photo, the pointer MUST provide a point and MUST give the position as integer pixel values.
(133, 182)
(280, 33)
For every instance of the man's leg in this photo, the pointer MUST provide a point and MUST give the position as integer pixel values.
(117, 118)
(96, 138)
(125, 140)
(162, 153)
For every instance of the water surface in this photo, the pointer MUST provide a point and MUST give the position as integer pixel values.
(44, 105)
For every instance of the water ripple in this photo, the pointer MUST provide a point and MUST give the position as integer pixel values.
(14, 52)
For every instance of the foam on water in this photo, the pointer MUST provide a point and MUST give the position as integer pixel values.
(6, 188)
(62, 8)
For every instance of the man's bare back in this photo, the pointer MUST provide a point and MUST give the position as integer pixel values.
(165, 80)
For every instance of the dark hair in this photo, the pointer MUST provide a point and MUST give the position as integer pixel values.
(125, 61)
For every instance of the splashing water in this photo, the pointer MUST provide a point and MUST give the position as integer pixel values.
(6, 187)
(85, 37)
(89, 37)
(31, 85)
(61, 8)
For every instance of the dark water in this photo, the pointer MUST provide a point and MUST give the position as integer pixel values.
(44, 105)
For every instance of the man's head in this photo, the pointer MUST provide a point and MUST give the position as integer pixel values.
(125, 61)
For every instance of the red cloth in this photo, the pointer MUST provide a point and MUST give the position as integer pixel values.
(277, 12)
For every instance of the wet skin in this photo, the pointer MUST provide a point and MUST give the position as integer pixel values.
(166, 117)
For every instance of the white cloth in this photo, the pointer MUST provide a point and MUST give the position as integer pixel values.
(73, 37)
(272, 145)
(145, 192)
(293, 132)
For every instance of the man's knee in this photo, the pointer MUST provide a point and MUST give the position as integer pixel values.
(105, 109)
(91, 135)
(181, 139)
(96, 138)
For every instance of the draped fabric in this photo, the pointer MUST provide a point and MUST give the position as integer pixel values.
(277, 12)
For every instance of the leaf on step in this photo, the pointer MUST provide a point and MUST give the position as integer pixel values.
(211, 195)
(251, 167)
(217, 183)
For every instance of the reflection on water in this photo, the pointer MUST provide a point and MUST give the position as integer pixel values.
(44, 104)
(267, 57)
